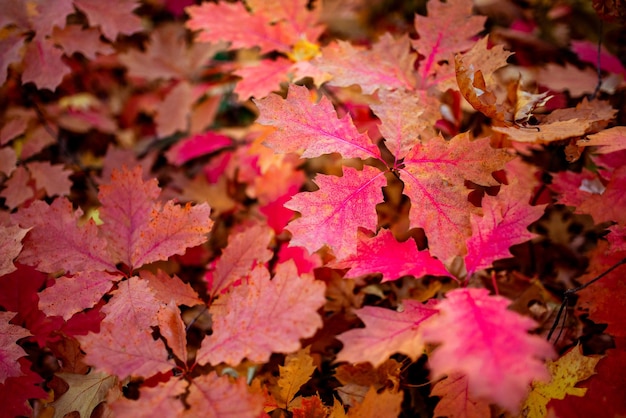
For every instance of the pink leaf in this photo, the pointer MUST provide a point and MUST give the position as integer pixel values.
(140, 231)
(43, 65)
(17, 189)
(244, 251)
(231, 22)
(172, 113)
(312, 128)
(258, 318)
(448, 29)
(9, 350)
(389, 64)
(10, 246)
(211, 396)
(163, 399)
(53, 178)
(9, 53)
(480, 338)
(197, 146)
(124, 346)
(606, 141)
(173, 330)
(70, 295)
(262, 78)
(384, 254)
(112, 20)
(386, 332)
(168, 288)
(74, 38)
(333, 214)
(433, 177)
(57, 243)
(504, 223)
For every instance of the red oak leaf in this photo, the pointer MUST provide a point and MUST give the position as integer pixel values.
(218, 397)
(232, 23)
(333, 214)
(384, 254)
(407, 119)
(17, 188)
(168, 56)
(173, 329)
(16, 391)
(43, 65)
(389, 64)
(70, 295)
(606, 141)
(168, 288)
(433, 176)
(456, 401)
(244, 250)
(56, 243)
(138, 229)
(437, 42)
(489, 344)
(10, 246)
(163, 400)
(504, 223)
(197, 146)
(386, 332)
(112, 20)
(124, 346)
(75, 38)
(9, 350)
(261, 78)
(311, 128)
(257, 319)
(53, 178)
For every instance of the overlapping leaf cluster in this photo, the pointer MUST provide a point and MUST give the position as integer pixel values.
(235, 209)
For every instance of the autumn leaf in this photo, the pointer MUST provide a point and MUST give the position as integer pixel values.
(57, 243)
(389, 64)
(232, 23)
(378, 405)
(433, 174)
(197, 146)
(216, 397)
(257, 318)
(85, 393)
(480, 338)
(386, 332)
(384, 254)
(297, 370)
(456, 401)
(474, 75)
(140, 230)
(162, 399)
(9, 350)
(566, 372)
(112, 20)
(504, 223)
(244, 250)
(16, 391)
(10, 246)
(437, 42)
(72, 294)
(311, 128)
(124, 346)
(333, 214)
(606, 141)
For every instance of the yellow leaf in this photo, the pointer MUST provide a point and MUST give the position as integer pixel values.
(566, 372)
(378, 405)
(296, 372)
